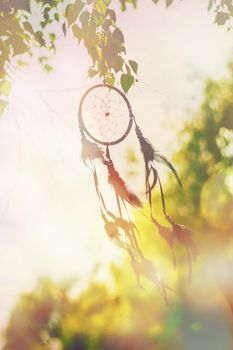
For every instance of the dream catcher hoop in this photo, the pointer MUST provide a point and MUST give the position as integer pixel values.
(103, 108)
(106, 119)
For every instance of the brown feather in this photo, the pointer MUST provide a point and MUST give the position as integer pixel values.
(120, 187)
(184, 236)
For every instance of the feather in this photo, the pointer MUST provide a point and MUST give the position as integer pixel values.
(150, 155)
(129, 229)
(167, 234)
(90, 150)
(183, 235)
(135, 264)
(150, 171)
(146, 147)
(145, 267)
(115, 229)
(120, 186)
(110, 227)
(162, 159)
(150, 272)
(112, 230)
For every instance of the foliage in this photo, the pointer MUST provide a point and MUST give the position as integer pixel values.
(97, 318)
(206, 149)
(26, 24)
(224, 11)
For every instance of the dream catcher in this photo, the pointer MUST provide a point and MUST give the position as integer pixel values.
(105, 120)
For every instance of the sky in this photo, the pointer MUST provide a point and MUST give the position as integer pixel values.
(49, 217)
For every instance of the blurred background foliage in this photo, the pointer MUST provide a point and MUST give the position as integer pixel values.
(118, 314)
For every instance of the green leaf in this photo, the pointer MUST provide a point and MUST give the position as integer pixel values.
(123, 7)
(110, 78)
(5, 88)
(43, 24)
(2, 69)
(100, 7)
(18, 45)
(56, 16)
(117, 34)
(92, 51)
(78, 33)
(28, 27)
(46, 13)
(3, 105)
(52, 37)
(117, 64)
(92, 39)
(169, 2)
(84, 19)
(39, 38)
(103, 69)
(64, 29)
(92, 72)
(110, 49)
(107, 23)
(127, 81)
(221, 18)
(134, 66)
(228, 3)
(210, 4)
(22, 63)
(124, 2)
(73, 11)
(48, 68)
(112, 14)
(127, 68)
(43, 59)
(98, 19)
